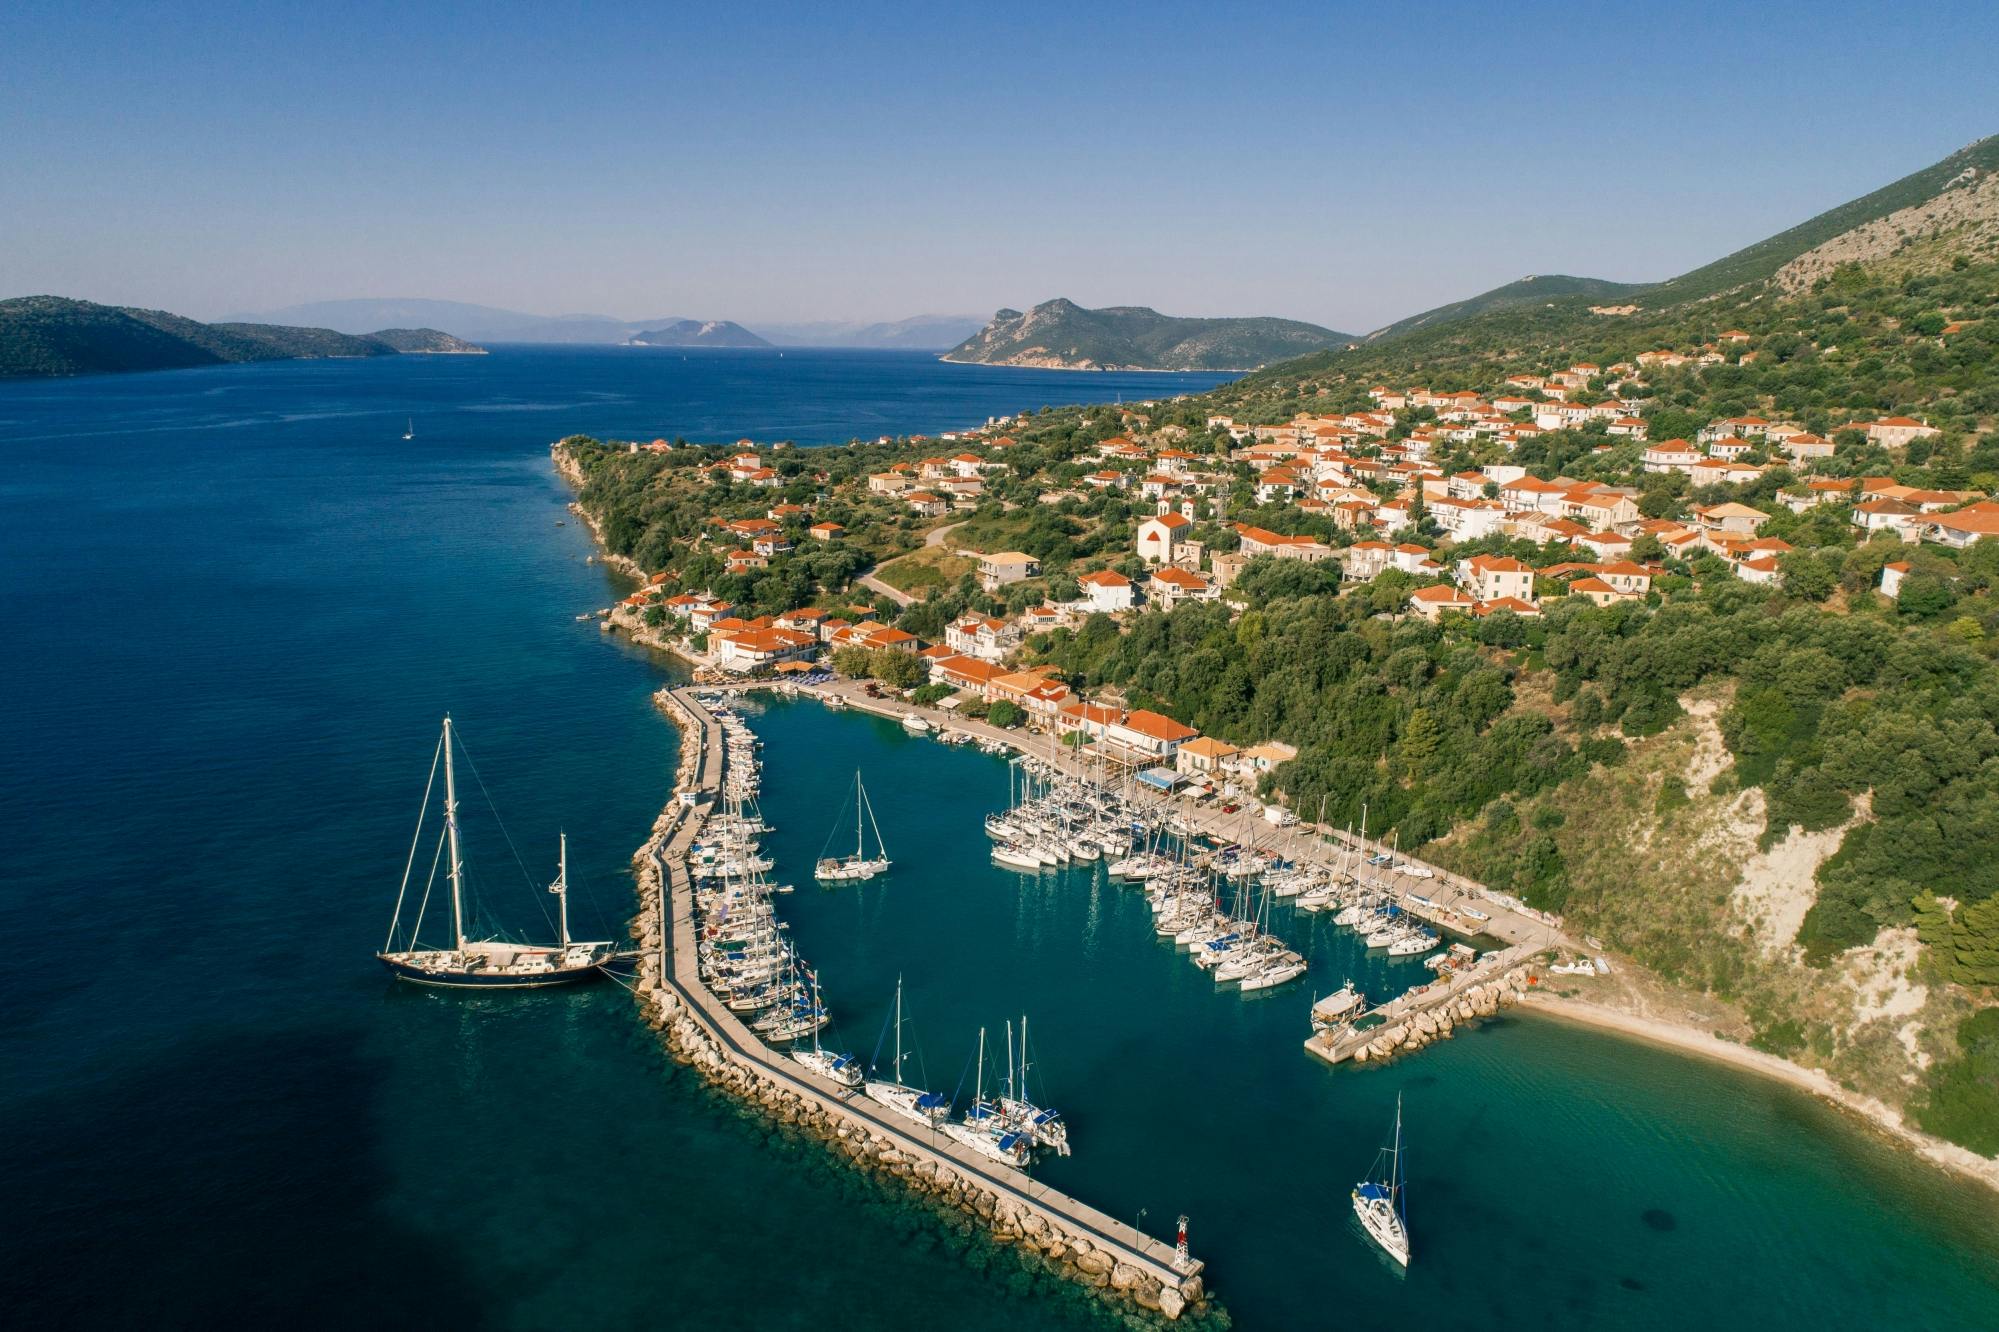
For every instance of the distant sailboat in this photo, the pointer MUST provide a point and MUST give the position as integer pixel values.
(860, 865)
(410, 431)
(1377, 1200)
(484, 963)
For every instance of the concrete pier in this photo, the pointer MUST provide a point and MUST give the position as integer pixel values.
(1094, 1247)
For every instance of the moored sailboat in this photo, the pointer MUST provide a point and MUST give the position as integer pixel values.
(860, 865)
(483, 963)
(1377, 1200)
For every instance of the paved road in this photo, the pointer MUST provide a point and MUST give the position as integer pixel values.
(934, 539)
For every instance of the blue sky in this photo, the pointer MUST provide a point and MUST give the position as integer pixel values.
(1345, 164)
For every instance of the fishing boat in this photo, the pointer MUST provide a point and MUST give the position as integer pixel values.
(927, 1108)
(482, 963)
(1377, 1200)
(860, 865)
(1337, 1005)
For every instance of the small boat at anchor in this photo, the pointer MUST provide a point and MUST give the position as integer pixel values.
(860, 865)
(1377, 1200)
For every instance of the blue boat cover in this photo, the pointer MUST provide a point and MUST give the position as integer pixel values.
(1372, 1191)
(932, 1101)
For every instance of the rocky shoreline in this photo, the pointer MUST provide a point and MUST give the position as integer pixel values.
(1480, 1001)
(1142, 1298)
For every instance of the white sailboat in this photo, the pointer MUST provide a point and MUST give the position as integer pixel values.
(929, 1109)
(483, 963)
(983, 1129)
(860, 865)
(1377, 1200)
(840, 1068)
(410, 432)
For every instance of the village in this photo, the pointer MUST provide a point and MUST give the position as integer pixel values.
(1371, 487)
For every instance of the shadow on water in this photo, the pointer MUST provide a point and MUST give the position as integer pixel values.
(268, 1139)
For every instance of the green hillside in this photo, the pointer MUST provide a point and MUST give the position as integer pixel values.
(43, 336)
(1761, 260)
(1527, 291)
(1060, 334)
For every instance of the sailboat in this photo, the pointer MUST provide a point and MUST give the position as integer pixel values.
(1043, 1127)
(860, 865)
(984, 1129)
(410, 431)
(930, 1109)
(1377, 1200)
(841, 1068)
(483, 963)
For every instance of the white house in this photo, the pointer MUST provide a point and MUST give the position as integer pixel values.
(1105, 590)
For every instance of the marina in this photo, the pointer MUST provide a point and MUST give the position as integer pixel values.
(900, 1131)
(154, 1137)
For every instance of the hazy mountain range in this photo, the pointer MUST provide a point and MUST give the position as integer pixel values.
(486, 323)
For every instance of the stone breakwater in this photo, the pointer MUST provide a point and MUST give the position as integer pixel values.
(1022, 1215)
(1480, 1001)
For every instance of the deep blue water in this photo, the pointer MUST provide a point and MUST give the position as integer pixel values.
(236, 604)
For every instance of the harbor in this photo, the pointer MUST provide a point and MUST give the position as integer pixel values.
(1097, 1248)
(1345, 863)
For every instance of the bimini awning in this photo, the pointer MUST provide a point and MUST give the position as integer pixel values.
(1162, 779)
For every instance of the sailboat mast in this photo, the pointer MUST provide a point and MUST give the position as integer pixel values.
(457, 860)
(562, 889)
(860, 794)
(898, 1031)
(979, 1080)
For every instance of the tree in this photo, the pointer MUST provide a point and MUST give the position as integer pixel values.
(897, 670)
(1005, 714)
(852, 662)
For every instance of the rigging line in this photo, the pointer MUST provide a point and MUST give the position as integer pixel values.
(428, 884)
(415, 838)
(501, 824)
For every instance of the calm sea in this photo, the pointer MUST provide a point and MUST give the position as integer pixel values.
(236, 604)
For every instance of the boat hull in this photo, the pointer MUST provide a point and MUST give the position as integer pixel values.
(468, 980)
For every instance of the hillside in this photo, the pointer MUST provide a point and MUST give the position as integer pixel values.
(1527, 291)
(1061, 335)
(697, 333)
(44, 336)
(477, 323)
(427, 342)
(1754, 263)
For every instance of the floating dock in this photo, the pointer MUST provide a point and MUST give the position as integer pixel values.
(1094, 1247)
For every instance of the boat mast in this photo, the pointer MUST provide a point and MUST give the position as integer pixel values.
(457, 860)
(860, 794)
(1395, 1168)
(898, 1027)
(979, 1081)
(561, 889)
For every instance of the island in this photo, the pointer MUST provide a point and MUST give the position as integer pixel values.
(1062, 335)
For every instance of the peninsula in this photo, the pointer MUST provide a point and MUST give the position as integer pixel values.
(1061, 335)
(42, 336)
(1667, 623)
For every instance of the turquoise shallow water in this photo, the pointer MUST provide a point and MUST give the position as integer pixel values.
(236, 604)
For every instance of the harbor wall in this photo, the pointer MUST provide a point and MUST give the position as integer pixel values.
(1050, 1228)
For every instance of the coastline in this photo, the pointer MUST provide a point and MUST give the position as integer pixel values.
(1678, 1036)
(1104, 369)
(1687, 1040)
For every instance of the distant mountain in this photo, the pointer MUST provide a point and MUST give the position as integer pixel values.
(697, 333)
(917, 333)
(1526, 291)
(479, 323)
(1061, 335)
(53, 335)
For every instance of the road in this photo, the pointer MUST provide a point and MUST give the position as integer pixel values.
(931, 541)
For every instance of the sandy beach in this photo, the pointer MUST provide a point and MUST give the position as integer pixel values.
(1687, 1040)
